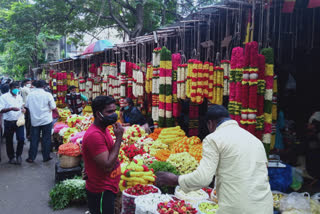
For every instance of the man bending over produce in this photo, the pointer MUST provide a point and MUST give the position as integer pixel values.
(239, 162)
(100, 156)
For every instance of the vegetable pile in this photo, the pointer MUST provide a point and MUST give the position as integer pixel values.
(173, 207)
(70, 190)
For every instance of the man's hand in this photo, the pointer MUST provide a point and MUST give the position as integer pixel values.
(118, 130)
(14, 109)
(166, 179)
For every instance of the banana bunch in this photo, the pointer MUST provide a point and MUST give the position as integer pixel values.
(184, 162)
(135, 173)
(171, 135)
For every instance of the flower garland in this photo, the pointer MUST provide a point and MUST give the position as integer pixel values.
(189, 76)
(193, 119)
(260, 97)
(155, 85)
(200, 84)
(181, 81)
(217, 86)
(62, 87)
(176, 60)
(194, 80)
(129, 71)
(236, 72)
(250, 88)
(165, 96)
(123, 82)
(269, 75)
(210, 82)
(274, 111)
(225, 64)
(206, 66)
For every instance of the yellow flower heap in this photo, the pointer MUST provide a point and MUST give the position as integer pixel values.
(135, 173)
(184, 162)
(171, 135)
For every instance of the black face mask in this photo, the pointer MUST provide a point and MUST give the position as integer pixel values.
(109, 120)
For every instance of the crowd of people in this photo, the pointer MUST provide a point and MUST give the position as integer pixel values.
(26, 110)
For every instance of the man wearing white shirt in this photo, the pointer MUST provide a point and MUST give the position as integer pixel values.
(11, 105)
(25, 91)
(40, 104)
(239, 162)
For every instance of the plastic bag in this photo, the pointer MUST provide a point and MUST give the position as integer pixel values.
(148, 204)
(295, 203)
(192, 197)
(128, 204)
(21, 121)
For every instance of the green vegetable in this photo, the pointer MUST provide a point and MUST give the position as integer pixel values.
(158, 166)
(70, 190)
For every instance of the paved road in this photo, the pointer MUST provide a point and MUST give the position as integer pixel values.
(25, 189)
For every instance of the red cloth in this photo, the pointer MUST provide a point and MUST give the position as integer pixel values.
(95, 142)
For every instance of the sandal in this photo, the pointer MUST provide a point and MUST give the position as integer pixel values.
(29, 160)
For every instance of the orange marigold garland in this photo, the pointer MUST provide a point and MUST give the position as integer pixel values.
(196, 151)
(162, 154)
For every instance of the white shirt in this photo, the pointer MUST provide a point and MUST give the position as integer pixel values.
(25, 91)
(238, 159)
(40, 104)
(7, 100)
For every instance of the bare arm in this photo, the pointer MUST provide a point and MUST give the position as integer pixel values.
(106, 160)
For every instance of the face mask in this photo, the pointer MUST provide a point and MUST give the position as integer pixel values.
(126, 108)
(15, 91)
(28, 85)
(109, 120)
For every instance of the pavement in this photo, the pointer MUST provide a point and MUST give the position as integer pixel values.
(25, 189)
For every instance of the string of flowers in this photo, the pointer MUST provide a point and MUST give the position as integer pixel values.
(123, 82)
(129, 72)
(269, 74)
(176, 60)
(162, 91)
(236, 72)
(200, 84)
(169, 97)
(189, 78)
(206, 66)
(217, 86)
(260, 97)
(155, 85)
(225, 64)
(274, 111)
(210, 82)
(148, 87)
(181, 81)
(194, 80)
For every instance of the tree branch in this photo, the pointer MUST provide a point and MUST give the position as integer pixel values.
(126, 5)
(120, 23)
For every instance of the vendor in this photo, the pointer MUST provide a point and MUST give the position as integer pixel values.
(100, 156)
(237, 159)
(130, 115)
(75, 100)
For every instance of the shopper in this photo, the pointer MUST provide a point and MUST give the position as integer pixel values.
(11, 105)
(100, 156)
(40, 104)
(75, 100)
(239, 162)
(130, 115)
(25, 91)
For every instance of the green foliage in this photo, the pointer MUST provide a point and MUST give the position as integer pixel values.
(158, 166)
(70, 190)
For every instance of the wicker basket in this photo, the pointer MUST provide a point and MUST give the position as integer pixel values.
(69, 161)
